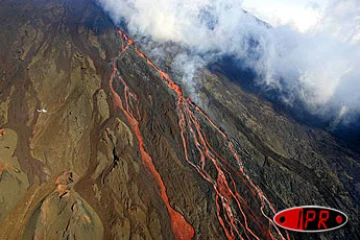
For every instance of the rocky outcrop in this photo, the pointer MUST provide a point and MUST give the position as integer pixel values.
(96, 142)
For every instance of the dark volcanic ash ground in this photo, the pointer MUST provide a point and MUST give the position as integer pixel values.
(100, 145)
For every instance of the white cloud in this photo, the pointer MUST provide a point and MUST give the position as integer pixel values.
(319, 66)
(300, 14)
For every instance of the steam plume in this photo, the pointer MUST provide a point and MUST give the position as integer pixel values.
(320, 67)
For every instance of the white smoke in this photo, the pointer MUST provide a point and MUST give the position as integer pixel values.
(320, 67)
(185, 67)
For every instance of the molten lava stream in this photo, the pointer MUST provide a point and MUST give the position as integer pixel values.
(222, 188)
(180, 227)
(227, 199)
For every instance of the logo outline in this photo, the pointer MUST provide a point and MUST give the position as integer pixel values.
(311, 231)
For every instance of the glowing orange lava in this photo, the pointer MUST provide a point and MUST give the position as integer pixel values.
(230, 204)
(180, 227)
(2, 132)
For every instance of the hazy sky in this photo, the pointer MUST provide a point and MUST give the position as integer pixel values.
(301, 14)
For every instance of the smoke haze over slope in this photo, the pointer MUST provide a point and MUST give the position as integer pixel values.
(319, 67)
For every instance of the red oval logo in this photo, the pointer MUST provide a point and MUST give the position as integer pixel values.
(310, 219)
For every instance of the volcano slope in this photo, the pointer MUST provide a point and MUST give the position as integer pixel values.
(122, 153)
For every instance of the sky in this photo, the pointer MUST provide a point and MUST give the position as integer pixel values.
(310, 54)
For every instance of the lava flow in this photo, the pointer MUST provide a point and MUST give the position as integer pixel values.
(236, 217)
(180, 227)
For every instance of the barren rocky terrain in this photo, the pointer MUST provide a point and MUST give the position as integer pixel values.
(97, 142)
